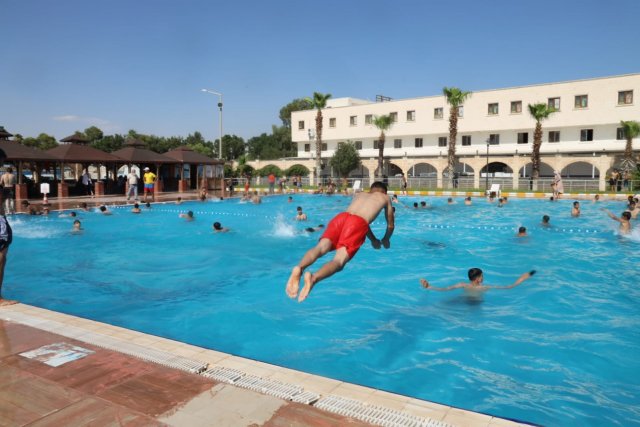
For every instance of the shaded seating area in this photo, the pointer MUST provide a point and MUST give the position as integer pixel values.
(136, 153)
(75, 152)
(208, 171)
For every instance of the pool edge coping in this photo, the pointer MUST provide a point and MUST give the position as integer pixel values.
(323, 386)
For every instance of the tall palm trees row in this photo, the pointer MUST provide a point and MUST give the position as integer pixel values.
(456, 97)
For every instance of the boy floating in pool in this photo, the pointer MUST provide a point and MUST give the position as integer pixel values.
(345, 234)
(475, 282)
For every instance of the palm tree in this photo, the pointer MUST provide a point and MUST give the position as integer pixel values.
(319, 101)
(631, 129)
(539, 112)
(383, 123)
(455, 98)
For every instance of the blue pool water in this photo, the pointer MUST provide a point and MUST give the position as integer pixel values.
(561, 349)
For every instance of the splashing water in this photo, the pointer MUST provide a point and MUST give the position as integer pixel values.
(281, 228)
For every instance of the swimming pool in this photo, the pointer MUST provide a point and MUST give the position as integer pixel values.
(560, 349)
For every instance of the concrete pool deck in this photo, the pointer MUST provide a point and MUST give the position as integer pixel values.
(116, 386)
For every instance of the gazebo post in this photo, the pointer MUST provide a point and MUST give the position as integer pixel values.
(183, 186)
(157, 187)
(63, 187)
(21, 188)
(98, 188)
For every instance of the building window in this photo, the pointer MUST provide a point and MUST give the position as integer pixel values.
(353, 121)
(494, 139)
(307, 147)
(438, 113)
(554, 103)
(586, 135)
(397, 143)
(461, 111)
(324, 146)
(418, 142)
(376, 144)
(301, 125)
(358, 145)
(493, 109)
(442, 141)
(554, 136)
(620, 135)
(394, 117)
(523, 137)
(411, 116)
(466, 140)
(582, 101)
(332, 122)
(368, 119)
(625, 97)
(516, 107)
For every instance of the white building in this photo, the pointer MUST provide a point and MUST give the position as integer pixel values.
(582, 139)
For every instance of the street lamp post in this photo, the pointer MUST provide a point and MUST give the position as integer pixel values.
(312, 137)
(486, 172)
(220, 144)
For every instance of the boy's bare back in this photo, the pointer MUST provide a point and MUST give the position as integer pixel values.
(369, 205)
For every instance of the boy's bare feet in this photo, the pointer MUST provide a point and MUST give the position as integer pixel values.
(308, 284)
(424, 283)
(7, 302)
(293, 284)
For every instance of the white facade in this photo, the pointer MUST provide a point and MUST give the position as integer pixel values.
(586, 126)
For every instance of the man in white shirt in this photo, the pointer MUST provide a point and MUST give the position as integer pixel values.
(132, 180)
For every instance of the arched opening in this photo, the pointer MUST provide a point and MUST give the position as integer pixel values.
(496, 173)
(546, 171)
(580, 177)
(463, 176)
(422, 175)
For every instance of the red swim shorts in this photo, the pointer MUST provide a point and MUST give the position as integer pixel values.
(347, 230)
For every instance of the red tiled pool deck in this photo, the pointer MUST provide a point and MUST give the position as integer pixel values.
(109, 388)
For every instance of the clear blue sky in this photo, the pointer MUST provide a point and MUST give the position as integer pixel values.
(140, 64)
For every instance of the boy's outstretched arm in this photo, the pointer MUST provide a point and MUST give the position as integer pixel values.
(374, 241)
(425, 284)
(521, 279)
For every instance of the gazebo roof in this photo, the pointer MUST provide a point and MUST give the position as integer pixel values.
(77, 153)
(76, 138)
(17, 151)
(184, 154)
(135, 142)
(136, 155)
(4, 134)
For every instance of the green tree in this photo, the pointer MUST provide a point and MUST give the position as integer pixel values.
(631, 129)
(383, 124)
(109, 143)
(93, 134)
(539, 112)
(42, 142)
(282, 137)
(263, 147)
(319, 101)
(245, 170)
(295, 105)
(345, 159)
(232, 146)
(455, 98)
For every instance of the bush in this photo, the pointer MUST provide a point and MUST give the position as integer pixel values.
(296, 170)
(268, 170)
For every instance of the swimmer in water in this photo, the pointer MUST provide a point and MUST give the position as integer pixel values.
(77, 226)
(522, 232)
(476, 279)
(188, 216)
(624, 220)
(575, 211)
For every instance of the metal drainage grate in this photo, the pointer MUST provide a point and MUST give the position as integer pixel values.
(306, 397)
(374, 414)
(222, 374)
(270, 387)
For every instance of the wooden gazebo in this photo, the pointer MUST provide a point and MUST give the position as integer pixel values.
(184, 155)
(75, 150)
(135, 153)
(19, 154)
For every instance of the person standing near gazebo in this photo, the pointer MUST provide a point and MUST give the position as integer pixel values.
(149, 179)
(132, 180)
(8, 182)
